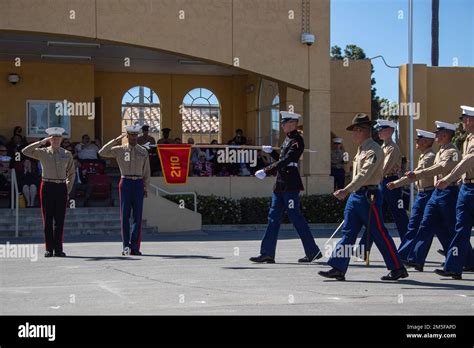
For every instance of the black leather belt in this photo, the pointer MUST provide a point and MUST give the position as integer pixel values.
(468, 181)
(132, 177)
(56, 181)
(391, 176)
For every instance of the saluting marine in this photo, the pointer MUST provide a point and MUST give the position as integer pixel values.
(286, 193)
(364, 206)
(425, 187)
(392, 166)
(439, 216)
(135, 176)
(56, 184)
(460, 251)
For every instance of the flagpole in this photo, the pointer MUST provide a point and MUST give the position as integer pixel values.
(410, 87)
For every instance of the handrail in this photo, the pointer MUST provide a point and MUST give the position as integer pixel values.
(15, 193)
(158, 189)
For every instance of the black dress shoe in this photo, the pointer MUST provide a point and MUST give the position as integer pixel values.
(48, 254)
(262, 259)
(468, 269)
(332, 274)
(60, 254)
(126, 251)
(396, 274)
(414, 265)
(307, 259)
(134, 252)
(443, 273)
(441, 252)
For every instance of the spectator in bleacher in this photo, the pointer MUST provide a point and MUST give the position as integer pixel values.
(194, 156)
(66, 144)
(80, 183)
(202, 167)
(239, 138)
(146, 137)
(29, 181)
(223, 171)
(18, 131)
(5, 169)
(14, 147)
(177, 141)
(166, 136)
(97, 142)
(86, 150)
(262, 162)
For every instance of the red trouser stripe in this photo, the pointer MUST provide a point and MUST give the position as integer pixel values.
(379, 225)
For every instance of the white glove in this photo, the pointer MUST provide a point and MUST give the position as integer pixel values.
(267, 148)
(260, 174)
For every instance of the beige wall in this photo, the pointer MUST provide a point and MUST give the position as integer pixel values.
(440, 91)
(350, 94)
(257, 33)
(45, 81)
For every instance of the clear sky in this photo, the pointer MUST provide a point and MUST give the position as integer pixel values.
(374, 25)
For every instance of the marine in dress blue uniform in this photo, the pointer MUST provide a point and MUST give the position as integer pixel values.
(460, 254)
(364, 206)
(392, 166)
(134, 165)
(439, 217)
(286, 192)
(425, 187)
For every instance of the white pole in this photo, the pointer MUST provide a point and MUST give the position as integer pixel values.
(410, 89)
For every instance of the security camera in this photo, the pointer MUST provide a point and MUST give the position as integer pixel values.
(307, 39)
(13, 79)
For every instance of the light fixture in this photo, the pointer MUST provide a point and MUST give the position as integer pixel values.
(13, 78)
(73, 44)
(59, 56)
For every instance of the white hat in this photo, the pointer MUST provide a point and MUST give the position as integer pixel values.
(133, 129)
(420, 133)
(286, 116)
(467, 111)
(381, 124)
(337, 140)
(440, 125)
(55, 131)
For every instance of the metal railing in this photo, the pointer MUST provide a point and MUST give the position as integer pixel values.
(159, 189)
(15, 194)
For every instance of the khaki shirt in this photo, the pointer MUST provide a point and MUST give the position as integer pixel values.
(425, 160)
(56, 164)
(466, 166)
(132, 160)
(392, 164)
(446, 159)
(337, 158)
(367, 166)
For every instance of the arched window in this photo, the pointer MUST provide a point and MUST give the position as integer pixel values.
(201, 116)
(141, 105)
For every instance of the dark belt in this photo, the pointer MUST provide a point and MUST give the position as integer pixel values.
(368, 188)
(425, 189)
(132, 177)
(56, 181)
(391, 176)
(468, 181)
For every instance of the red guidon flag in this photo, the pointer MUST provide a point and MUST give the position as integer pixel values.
(174, 160)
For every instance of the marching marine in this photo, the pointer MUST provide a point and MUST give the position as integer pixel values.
(460, 251)
(286, 193)
(364, 206)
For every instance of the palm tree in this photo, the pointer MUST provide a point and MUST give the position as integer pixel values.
(434, 32)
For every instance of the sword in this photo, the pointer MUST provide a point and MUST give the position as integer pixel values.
(337, 229)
